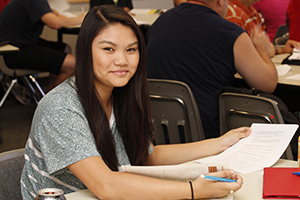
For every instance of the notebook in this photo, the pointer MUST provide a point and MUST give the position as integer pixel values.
(281, 183)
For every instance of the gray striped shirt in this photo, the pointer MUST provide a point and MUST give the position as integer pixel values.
(60, 136)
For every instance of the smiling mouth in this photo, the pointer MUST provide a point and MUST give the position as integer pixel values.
(120, 73)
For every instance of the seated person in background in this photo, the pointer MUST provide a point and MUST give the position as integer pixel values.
(294, 20)
(193, 43)
(177, 2)
(125, 4)
(91, 124)
(242, 13)
(21, 23)
(273, 13)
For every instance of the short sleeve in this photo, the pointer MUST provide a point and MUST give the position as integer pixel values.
(37, 9)
(63, 133)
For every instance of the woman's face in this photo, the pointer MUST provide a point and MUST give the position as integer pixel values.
(115, 54)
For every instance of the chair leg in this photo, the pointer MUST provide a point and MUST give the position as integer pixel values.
(35, 95)
(37, 85)
(13, 82)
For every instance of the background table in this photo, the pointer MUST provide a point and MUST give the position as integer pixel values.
(287, 90)
(143, 18)
(251, 190)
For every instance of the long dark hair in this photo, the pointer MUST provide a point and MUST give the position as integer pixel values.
(131, 103)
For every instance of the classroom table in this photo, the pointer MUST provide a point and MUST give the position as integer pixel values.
(8, 48)
(251, 189)
(295, 69)
(288, 90)
(142, 17)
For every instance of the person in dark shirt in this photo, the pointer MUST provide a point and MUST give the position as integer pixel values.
(193, 43)
(21, 23)
(125, 4)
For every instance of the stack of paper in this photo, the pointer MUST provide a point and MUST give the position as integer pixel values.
(295, 55)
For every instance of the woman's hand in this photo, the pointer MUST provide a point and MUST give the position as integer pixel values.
(204, 188)
(261, 42)
(233, 136)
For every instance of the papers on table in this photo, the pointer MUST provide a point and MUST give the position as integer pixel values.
(59, 5)
(294, 77)
(283, 69)
(262, 148)
(183, 172)
(295, 55)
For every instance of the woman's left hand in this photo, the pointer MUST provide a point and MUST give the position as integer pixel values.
(233, 136)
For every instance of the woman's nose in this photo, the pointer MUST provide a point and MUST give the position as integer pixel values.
(121, 59)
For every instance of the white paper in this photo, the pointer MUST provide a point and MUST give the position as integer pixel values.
(283, 69)
(295, 55)
(68, 14)
(59, 5)
(262, 148)
(294, 77)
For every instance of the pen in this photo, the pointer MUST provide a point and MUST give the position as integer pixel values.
(214, 178)
(296, 173)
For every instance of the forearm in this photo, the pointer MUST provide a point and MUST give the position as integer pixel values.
(107, 184)
(59, 21)
(180, 153)
(66, 22)
(130, 186)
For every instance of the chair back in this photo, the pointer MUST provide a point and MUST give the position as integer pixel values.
(281, 31)
(175, 114)
(238, 110)
(11, 166)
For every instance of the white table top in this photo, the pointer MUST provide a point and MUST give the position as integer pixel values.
(295, 70)
(277, 59)
(145, 16)
(8, 47)
(251, 190)
(141, 16)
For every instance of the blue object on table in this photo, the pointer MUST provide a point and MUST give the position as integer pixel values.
(214, 178)
(296, 173)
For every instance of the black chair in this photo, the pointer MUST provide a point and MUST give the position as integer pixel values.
(282, 35)
(175, 113)
(238, 110)
(16, 74)
(11, 166)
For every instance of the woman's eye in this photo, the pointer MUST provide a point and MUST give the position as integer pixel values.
(131, 49)
(108, 49)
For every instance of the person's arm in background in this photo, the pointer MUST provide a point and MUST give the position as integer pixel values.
(177, 2)
(288, 47)
(253, 63)
(56, 21)
(128, 6)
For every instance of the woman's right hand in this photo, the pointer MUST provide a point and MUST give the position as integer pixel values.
(204, 188)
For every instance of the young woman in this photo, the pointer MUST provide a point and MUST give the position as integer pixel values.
(89, 125)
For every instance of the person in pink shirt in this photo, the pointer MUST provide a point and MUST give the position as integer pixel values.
(274, 14)
(242, 13)
(294, 20)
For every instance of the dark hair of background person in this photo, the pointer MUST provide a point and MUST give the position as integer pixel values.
(131, 103)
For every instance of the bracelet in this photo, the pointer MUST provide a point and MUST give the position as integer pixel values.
(192, 191)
